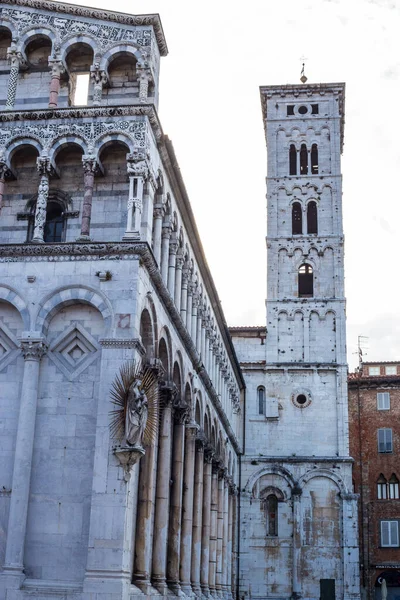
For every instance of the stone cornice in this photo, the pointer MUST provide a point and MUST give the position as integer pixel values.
(96, 13)
(114, 251)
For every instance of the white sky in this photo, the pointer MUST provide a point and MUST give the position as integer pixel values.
(220, 52)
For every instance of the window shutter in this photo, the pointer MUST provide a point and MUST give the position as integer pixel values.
(394, 533)
(388, 440)
(384, 533)
(381, 440)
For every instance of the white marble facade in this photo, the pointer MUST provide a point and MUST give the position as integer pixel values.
(298, 513)
(100, 264)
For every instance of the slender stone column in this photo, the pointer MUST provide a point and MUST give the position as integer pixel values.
(185, 278)
(165, 237)
(225, 536)
(98, 79)
(158, 213)
(213, 530)
(187, 511)
(145, 516)
(230, 556)
(194, 329)
(173, 247)
(144, 77)
(189, 306)
(159, 571)
(33, 351)
(203, 337)
(16, 60)
(220, 533)
(89, 167)
(175, 516)
(296, 578)
(43, 166)
(234, 540)
(178, 279)
(3, 172)
(138, 171)
(206, 524)
(57, 68)
(199, 328)
(197, 516)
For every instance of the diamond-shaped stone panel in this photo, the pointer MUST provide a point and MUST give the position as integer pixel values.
(74, 350)
(9, 346)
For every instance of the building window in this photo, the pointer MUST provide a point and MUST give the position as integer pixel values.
(391, 370)
(393, 487)
(303, 160)
(374, 370)
(312, 217)
(54, 228)
(381, 487)
(314, 159)
(292, 160)
(389, 534)
(297, 219)
(385, 441)
(306, 282)
(314, 109)
(383, 400)
(290, 110)
(261, 400)
(272, 515)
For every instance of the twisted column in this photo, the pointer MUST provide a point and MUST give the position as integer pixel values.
(175, 516)
(173, 248)
(158, 213)
(43, 167)
(206, 523)
(98, 79)
(165, 237)
(16, 61)
(187, 508)
(197, 516)
(89, 166)
(57, 68)
(161, 516)
(32, 350)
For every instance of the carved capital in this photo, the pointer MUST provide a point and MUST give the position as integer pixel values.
(158, 211)
(89, 164)
(57, 66)
(179, 261)
(15, 56)
(296, 491)
(43, 165)
(33, 349)
(173, 247)
(137, 165)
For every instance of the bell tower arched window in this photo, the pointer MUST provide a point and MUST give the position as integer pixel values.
(303, 160)
(306, 281)
(312, 217)
(297, 219)
(314, 159)
(292, 160)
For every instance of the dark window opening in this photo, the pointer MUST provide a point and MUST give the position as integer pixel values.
(297, 219)
(306, 281)
(292, 160)
(272, 515)
(312, 217)
(303, 160)
(301, 399)
(261, 400)
(54, 225)
(303, 110)
(314, 109)
(327, 589)
(314, 159)
(290, 110)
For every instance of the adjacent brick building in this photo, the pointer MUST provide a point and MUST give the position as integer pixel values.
(374, 411)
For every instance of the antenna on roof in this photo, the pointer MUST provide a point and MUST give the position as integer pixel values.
(361, 341)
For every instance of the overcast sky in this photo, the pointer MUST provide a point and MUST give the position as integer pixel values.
(220, 52)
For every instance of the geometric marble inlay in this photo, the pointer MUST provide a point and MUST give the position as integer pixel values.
(74, 350)
(9, 346)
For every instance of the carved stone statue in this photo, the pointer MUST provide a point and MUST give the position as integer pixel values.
(136, 414)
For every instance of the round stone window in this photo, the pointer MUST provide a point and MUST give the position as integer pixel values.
(303, 110)
(301, 399)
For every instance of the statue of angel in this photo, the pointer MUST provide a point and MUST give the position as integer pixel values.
(136, 414)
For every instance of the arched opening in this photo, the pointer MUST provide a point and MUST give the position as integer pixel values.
(314, 159)
(176, 378)
(122, 77)
(53, 229)
(5, 43)
(78, 61)
(292, 160)
(297, 219)
(312, 217)
(197, 416)
(146, 334)
(306, 281)
(163, 356)
(38, 51)
(271, 506)
(303, 160)
(261, 400)
(393, 487)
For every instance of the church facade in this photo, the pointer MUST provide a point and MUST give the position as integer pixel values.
(145, 449)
